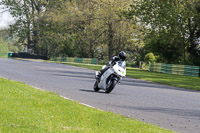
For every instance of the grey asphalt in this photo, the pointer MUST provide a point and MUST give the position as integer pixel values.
(168, 107)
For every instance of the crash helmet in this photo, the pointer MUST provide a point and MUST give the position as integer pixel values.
(122, 55)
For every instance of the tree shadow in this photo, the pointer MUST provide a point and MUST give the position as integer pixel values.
(70, 72)
(170, 111)
(126, 81)
(74, 76)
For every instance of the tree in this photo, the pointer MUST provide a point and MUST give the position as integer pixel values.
(170, 25)
(89, 28)
(95, 27)
(8, 44)
(26, 14)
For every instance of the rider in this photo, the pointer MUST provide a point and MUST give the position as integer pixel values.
(121, 56)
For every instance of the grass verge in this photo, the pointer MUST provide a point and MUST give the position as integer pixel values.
(25, 109)
(186, 82)
(3, 56)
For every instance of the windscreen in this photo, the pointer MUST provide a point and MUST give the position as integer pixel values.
(122, 64)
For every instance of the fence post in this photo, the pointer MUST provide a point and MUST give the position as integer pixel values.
(199, 71)
(141, 65)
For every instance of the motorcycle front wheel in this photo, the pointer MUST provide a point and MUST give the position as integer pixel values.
(96, 88)
(111, 86)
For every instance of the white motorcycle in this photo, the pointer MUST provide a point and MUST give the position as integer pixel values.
(110, 77)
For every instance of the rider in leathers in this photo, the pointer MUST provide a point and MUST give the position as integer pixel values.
(121, 56)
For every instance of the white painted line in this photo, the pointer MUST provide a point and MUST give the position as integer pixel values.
(69, 99)
(79, 102)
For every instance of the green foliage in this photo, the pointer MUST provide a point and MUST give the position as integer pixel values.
(27, 14)
(150, 58)
(8, 44)
(94, 31)
(98, 28)
(167, 48)
(172, 28)
(3, 47)
(3, 44)
(90, 28)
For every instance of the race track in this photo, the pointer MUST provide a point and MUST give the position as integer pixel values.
(169, 107)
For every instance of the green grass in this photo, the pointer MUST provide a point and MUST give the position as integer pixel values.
(25, 109)
(3, 55)
(187, 82)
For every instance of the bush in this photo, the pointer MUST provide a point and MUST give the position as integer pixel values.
(103, 62)
(132, 64)
(150, 58)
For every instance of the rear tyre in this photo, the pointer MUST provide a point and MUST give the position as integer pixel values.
(111, 87)
(96, 88)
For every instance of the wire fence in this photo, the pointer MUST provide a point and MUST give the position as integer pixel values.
(175, 69)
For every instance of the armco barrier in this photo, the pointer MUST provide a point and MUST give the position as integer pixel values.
(175, 69)
(27, 55)
(76, 60)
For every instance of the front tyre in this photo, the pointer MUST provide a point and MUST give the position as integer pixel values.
(96, 88)
(111, 86)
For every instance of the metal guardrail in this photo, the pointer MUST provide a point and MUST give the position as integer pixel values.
(76, 60)
(26, 56)
(175, 69)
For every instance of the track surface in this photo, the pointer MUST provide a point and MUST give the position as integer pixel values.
(169, 107)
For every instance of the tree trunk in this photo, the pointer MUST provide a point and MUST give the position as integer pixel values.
(28, 36)
(110, 42)
(28, 30)
(35, 26)
(191, 48)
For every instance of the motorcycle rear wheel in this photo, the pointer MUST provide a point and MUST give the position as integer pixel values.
(111, 87)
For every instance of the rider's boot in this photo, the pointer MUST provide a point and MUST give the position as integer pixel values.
(98, 76)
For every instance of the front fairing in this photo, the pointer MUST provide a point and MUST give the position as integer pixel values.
(120, 68)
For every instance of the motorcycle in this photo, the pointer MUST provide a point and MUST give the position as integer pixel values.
(112, 76)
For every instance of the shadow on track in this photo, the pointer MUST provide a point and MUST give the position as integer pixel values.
(92, 91)
(126, 81)
(172, 111)
(142, 83)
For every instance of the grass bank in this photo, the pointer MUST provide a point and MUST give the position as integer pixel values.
(187, 82)
(25, 109)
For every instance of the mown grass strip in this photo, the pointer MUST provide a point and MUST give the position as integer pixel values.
(25, 109)
(187, 82)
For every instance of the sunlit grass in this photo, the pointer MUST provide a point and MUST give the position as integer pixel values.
(187, 82)
(25, 109)
(3, 55)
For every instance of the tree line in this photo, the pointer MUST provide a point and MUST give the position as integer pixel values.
(172, 29)
(168, 30)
